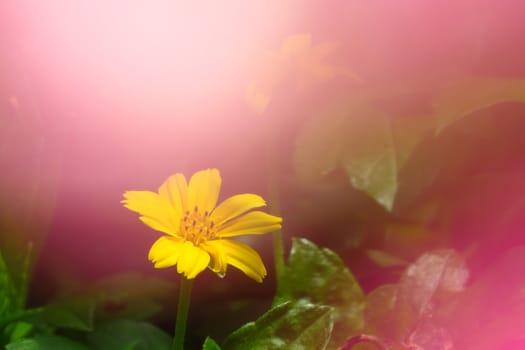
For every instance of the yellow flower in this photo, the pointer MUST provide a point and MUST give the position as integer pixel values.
(197, 230)
(298, 60)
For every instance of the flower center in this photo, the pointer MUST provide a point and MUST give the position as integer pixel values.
(197, 227)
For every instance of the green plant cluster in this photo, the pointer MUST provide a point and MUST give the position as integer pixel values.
(320, 305)
(411, 179)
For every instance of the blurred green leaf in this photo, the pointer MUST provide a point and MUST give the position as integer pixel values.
(210, 344)
(407, 240)
(319, 144)
(30, 162)
(384, 259)
(48, 342)
(24, 273)
(369, 145)
(372, 146)
(130, 295)
(429, 336)
(74, 314)
(7, 290)
(430, 280)
(13, 290)
(319, 276)
(290, 326)
(17, 330)
(77, 314)
(128, 335)
(410, 311)
(370, 156)
(12, 300)
(470, 95)
(378, 313)
(28, 186)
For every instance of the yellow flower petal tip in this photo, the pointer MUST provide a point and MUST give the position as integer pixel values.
(196, 228)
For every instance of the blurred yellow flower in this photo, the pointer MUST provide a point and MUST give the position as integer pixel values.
(298, 60)
(197, 230)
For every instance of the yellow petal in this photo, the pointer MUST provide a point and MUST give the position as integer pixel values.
(203, 190)
(218, 263)
(235, 206)
(157, 225)
(255, 222)
(156, 212)
(241, 256)
(175, 190)
(192, 260)
(165, 252)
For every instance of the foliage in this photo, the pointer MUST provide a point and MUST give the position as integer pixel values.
(210, 344)
(126, 334)
(409, 194)
(292, 325)
(46, 343)
(319, 276)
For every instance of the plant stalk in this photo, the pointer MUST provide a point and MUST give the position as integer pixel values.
(275, 206)
(182, 312)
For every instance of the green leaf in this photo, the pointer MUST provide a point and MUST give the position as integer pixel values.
(384, 259)
(319, 144)
(380, 318)
(48, 342)
(14, 290)
(468, 96)
(74, 314)
(430, 336)
(8, 292)
(24, 275)
(407, 310)
(28, 191)
(77, 314)
(319, 276)
(130, 295)
(290, 326)
(210, 344)
(17, 330)
(127, 335)
(370, 146)
(434, 277)
(370, 156)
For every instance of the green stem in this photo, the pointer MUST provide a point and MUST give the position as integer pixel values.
(278, 253)
(275, 206)
(182, 313)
